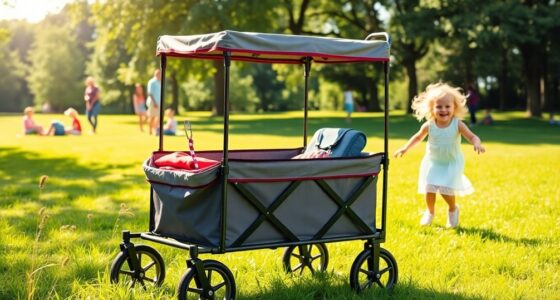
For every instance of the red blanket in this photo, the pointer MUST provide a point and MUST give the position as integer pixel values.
(183, 161)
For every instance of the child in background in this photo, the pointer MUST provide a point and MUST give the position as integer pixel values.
(76, 128)
(29, 125)
(170, 127)
(348, 104)
(487, 120)
(441, 170)
(57, 128)
(139, 101)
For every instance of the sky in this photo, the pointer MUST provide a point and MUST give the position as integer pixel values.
(30, 10)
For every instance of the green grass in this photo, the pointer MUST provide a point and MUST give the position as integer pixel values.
(506, 247)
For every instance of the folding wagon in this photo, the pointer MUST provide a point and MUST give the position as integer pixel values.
(255, 199)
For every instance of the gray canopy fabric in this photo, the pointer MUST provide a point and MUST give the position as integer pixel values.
(274, 48)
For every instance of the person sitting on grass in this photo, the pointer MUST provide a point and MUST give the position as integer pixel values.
(29, 125)
(170, 127)
(487, 120)
(57, 128)
(76, 128)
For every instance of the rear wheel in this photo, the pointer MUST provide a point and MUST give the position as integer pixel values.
(314, 257)
(221, 284)
(151, 271)
(362, 275)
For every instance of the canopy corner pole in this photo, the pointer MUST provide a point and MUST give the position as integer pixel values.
(163, 66)
(306, 70)
(385, 149)
(225, 167)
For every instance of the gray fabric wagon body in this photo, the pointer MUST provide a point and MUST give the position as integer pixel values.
(271, 200)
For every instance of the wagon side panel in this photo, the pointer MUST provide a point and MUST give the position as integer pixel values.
(296, 201)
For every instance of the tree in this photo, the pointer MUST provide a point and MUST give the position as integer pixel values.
(414, 28)
(57, 68)
(528, 25)
(135, 25)
(11, 77)
(357, 19)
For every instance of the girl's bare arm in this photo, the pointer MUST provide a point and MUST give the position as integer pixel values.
(415, 139)
(471, 137)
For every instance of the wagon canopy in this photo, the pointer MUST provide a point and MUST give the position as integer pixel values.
(274, 48)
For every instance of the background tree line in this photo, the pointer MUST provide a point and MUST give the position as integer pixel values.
(509, 48)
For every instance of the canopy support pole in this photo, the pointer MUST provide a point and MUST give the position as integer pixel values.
(225, 167)
(385, 149)
(307, 69)
(163, 66)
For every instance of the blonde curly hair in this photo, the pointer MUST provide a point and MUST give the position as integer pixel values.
(423, 104)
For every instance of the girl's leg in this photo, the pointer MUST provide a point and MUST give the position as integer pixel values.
(140, 122)
(431, 202)
(428, 216)
(450, 201)
(453, 213)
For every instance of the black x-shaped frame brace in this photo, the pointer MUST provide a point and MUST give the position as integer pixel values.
(267, 213)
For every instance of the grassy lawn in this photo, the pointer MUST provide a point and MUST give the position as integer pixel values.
(59, 241)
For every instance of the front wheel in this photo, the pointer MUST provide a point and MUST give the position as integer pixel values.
(362, 275)
(151, 270)
(220, 283)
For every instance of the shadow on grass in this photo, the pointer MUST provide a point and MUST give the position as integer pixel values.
(67, 181)
(320, 286)
(488, 234)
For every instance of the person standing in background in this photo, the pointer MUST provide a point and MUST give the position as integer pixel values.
(154, 101)
(348, 104)
(139, 101)
(472, 102)
(93, 106)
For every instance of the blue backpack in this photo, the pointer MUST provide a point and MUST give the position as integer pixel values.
(340, 142)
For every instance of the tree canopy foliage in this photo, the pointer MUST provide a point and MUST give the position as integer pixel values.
(509, 48)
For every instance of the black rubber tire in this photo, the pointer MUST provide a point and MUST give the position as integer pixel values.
(153, 269)
(362, 277)
(294, 261)
(223, 288)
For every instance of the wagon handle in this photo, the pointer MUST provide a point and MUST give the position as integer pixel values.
(188, 133)
(188, 129)
(379, 36)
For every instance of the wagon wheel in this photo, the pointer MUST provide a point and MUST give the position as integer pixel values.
(152, 270)
(220, 279)
(313, 256)
(362, 275)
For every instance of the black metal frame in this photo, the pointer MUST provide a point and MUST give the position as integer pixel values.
(373, 239)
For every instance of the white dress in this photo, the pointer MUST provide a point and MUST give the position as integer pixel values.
(441, 170)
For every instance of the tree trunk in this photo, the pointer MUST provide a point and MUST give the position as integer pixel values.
(410, 66)
(373, 101)
(555, 94)
(531, 64)
(174, 92)
(546, 84)
(502, 81)
(218, 88)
